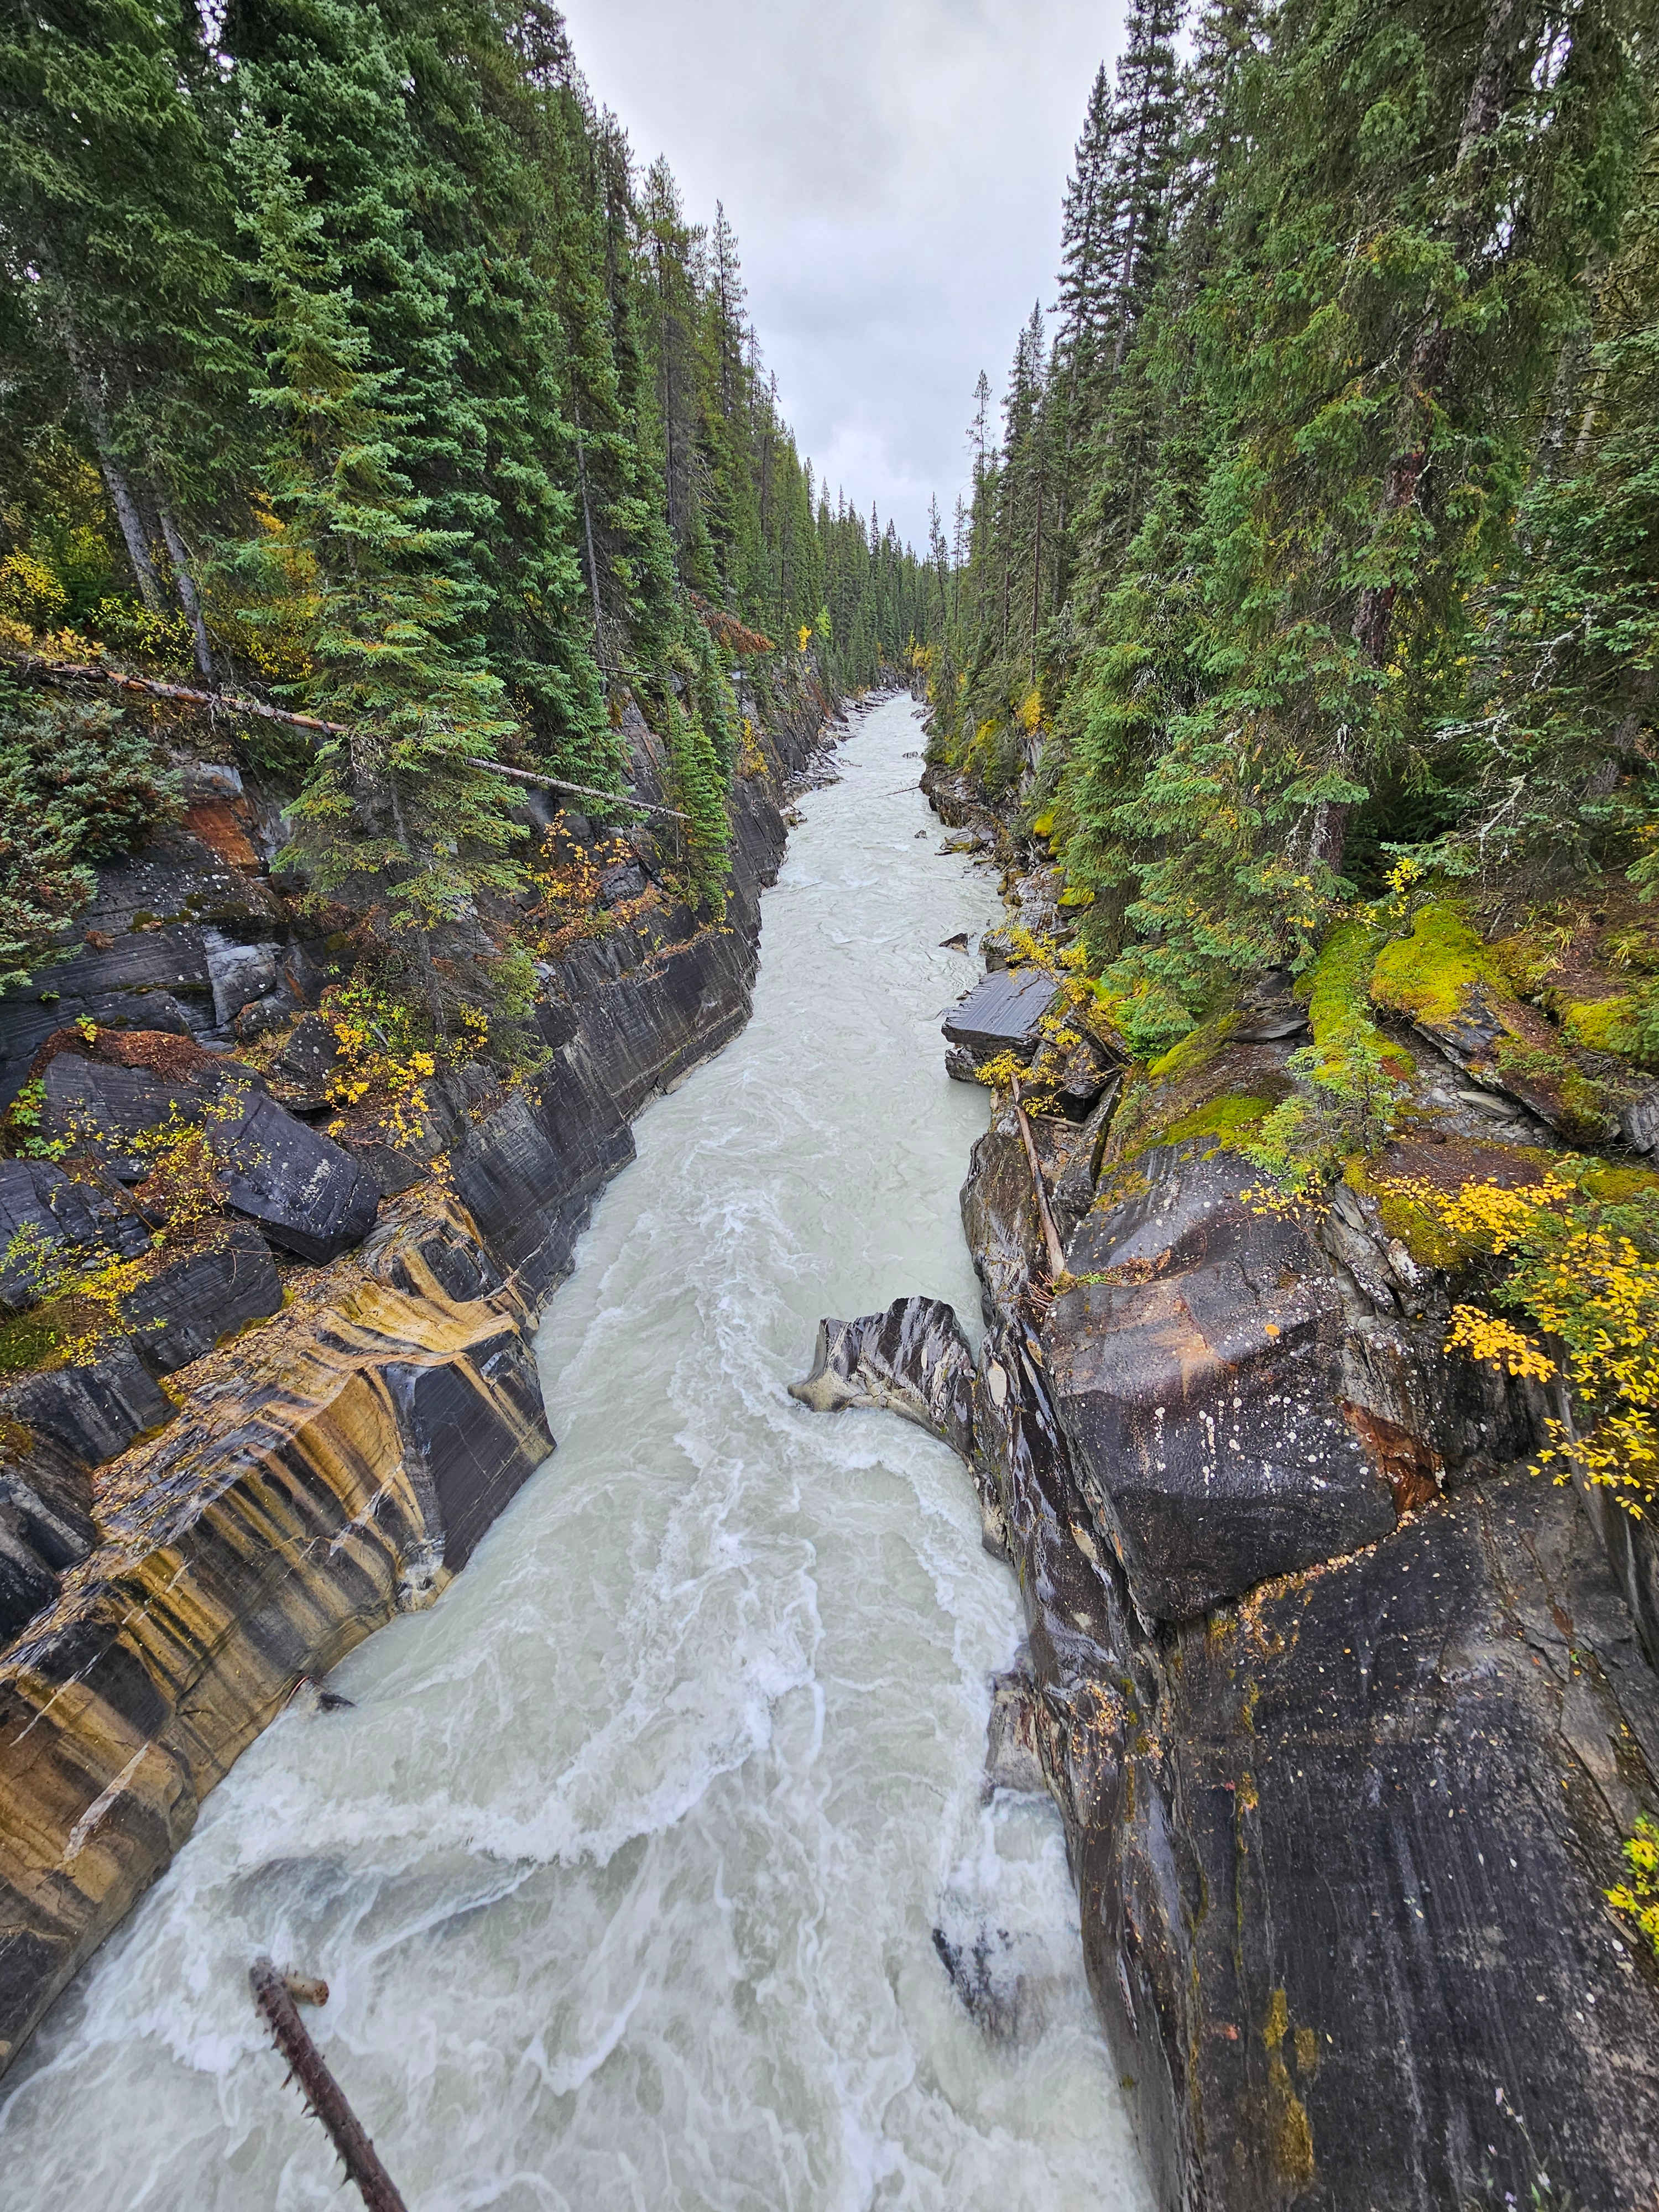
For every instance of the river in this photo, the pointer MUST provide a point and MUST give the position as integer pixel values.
(623, 1865)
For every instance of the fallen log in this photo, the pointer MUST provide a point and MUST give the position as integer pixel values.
(274, 1993)
(233, 703)
(1050, 1234)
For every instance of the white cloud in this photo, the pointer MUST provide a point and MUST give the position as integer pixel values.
(894, 174)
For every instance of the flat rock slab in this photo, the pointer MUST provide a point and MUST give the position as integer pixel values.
(1003, 1013)
(1197, 1372)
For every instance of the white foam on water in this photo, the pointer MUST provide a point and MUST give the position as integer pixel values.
(624, 1866)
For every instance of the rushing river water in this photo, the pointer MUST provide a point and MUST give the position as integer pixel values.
(624, 1866)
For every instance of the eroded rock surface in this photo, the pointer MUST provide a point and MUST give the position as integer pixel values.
(172, 1566)
(337, 1474)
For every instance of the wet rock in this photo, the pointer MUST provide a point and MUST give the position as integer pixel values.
(194, 1300)
(913, 1360)
(1085, 1070)
(27, 1584)
(306, 1501)
(391, 1168)
(985, 1973)
(625, 881)
(238, 975)
(999, 1217)
(1013, 1760)
(959, 942)
(1395, 1786)
(42, 1533)
(1199, 1384)
(1073, 1191)
(144, 960)
(106, 1104)
(1003, 1014)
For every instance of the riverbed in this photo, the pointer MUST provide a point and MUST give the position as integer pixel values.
(630, 1863)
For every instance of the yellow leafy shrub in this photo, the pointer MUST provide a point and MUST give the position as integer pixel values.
(1584, 1269)
(1638, 1897)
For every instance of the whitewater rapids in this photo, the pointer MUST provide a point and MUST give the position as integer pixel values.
(625, 1862)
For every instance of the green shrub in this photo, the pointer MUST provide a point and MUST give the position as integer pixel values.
(77, 786)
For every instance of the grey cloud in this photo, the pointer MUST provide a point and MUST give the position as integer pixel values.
(894, 174)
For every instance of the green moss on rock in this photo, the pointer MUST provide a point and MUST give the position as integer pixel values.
(1432, 974)
(1222, 1117)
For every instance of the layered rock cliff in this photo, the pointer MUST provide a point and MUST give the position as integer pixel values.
(1347, 1712)
(294, 1432)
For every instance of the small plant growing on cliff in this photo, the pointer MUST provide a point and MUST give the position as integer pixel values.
(81, 1296)
(383, 1058)
(1583, 1268)
(1638, 1897)
(25, 1119)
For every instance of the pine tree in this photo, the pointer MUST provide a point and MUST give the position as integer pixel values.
(396, 816)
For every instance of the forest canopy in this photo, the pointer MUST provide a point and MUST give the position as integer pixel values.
(1318, 543)
(348, 359)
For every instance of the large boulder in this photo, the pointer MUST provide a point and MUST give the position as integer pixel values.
(913, 1360)
(1003, 1013)
(309, 1196)
(1197, 1368)
(306, 1194)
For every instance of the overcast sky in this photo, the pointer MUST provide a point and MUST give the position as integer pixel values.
(893, 169)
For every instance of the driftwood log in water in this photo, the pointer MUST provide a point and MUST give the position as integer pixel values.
(323, 2093)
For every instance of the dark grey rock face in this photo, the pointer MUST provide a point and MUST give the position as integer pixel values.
(1198, 1381)
(55, 1214)
(1360, 1891)
(93, 1412)
(190, 1302)
(1341, 1845)
(307, 1196)
(913, 1360)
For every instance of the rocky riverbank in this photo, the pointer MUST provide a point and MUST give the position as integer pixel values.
(1347, 1713)
(304, 1424)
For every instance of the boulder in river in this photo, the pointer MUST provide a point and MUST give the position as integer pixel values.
(1003, 1013)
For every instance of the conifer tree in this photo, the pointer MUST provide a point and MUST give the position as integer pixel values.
(397, 816)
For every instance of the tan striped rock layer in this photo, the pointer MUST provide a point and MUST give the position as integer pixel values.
(333, 1467)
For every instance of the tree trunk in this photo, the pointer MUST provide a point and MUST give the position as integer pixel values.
(188, 596)
(1036, 577)
(422, 934)
(588, 531)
